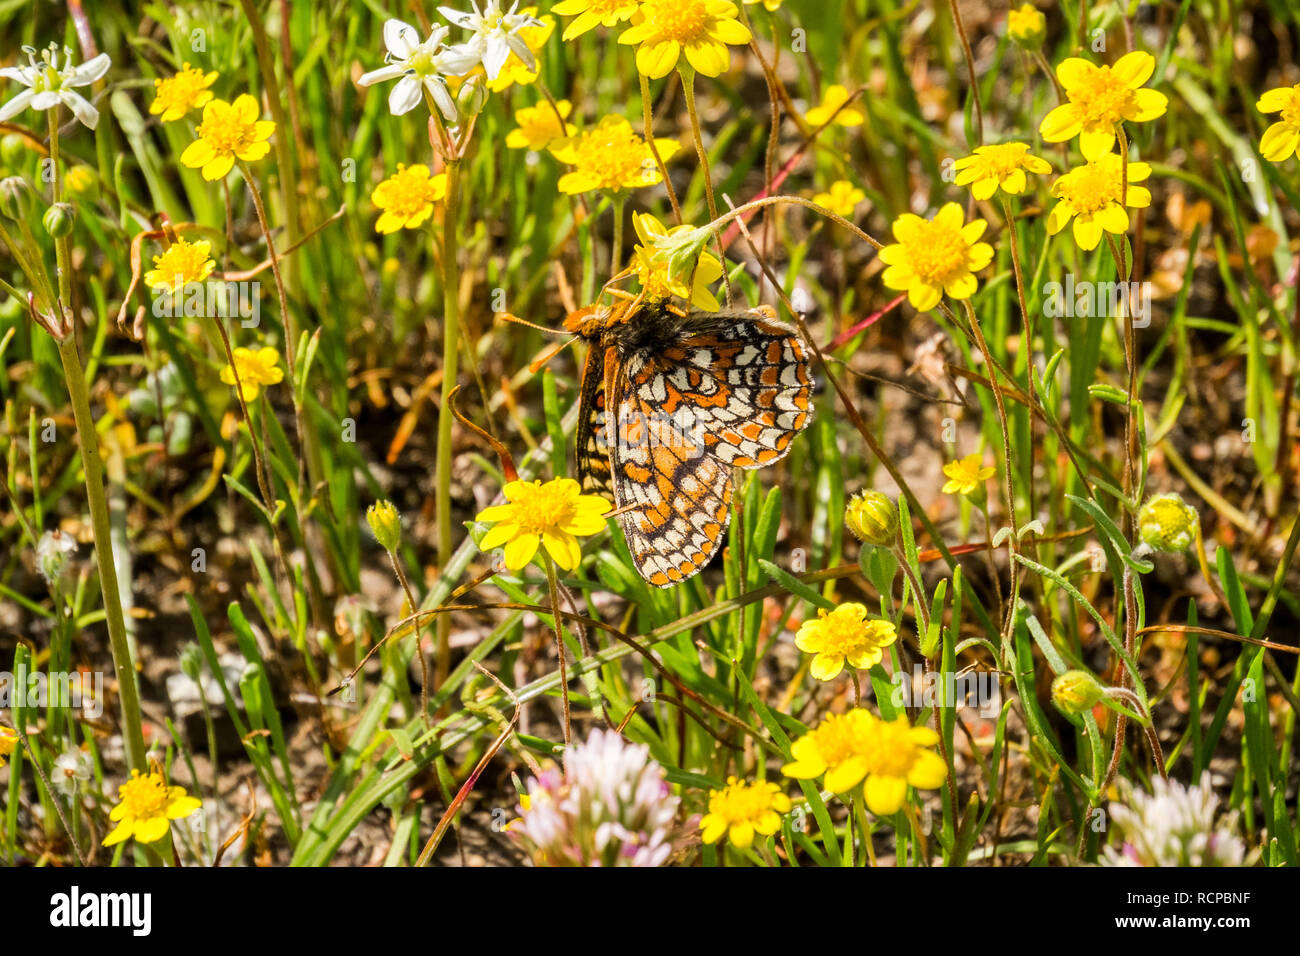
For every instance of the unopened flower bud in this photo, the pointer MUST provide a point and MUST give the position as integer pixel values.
(1077, 691)
(59, 219)
(872, 516)
(1027, 26)
(1167, 523)
(385, 524)
(472, 97)
(192, 662)
(17, 198)
(53, 551)
(81, 182)
(13, 150)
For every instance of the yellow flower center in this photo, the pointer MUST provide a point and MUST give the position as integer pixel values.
(938, 252)
(144, 797)
(614, 155)
(891, 749)
(1291, 112)
(1002, 160)
(1092, 187)
(544, 508)
(407, 191)
(842, 631)
(839, 736)
(1102, 99)
(183, 263)
(685, 21)
(225, 130)
(739, 802)
(182, 89)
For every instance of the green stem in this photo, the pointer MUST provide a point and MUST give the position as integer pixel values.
(123, 666)
(450, 354)
(553, 587)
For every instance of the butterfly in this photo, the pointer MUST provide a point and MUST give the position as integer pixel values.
(691, 396)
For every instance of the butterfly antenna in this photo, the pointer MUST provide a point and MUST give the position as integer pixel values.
(507, 317)
(537, 364)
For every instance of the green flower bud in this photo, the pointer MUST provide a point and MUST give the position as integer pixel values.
(59, 219)
(472, 97)
(53, 551)
(385, 524)
(1167, 523)
(1027, 26)
(17, 198)
(872, 516)
(13, 150)
(1077, 691)
(192, 661)
(81, 182)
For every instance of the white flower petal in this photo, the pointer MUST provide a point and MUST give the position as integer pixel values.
(441, 96)
(459, 60)
(81, 108)
(495, 56)
(16, 105)
(45, 99)
(390, 72)
(90, 71)
(521, 50)
(461, 18)
(400, 38)
(19, 73)
(405, 95)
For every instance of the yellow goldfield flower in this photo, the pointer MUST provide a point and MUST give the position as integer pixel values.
(654, 272)
(184, 91)
(515, 72)
(1003, 165)
(553, 514)
(146, 808)
(702, 29)
(8, 741)
(833, 99)
(771, 6)
(610, 156)
(740, 810)
(966, 474)
(842, 198)
(1282, 139)
(589, 14)
(845, 634)
(180, 264)
(898, 757)
(1100, 99)
(836, 748)
(1091, 196)
(541, 125)
(406, 198)
(1027, 26)
(256, 368)
(934, 256)
(229, 131)
(856, 746)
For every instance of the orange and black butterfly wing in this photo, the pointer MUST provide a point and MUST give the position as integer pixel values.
(592, 453)
(677, 496)
(745, 379)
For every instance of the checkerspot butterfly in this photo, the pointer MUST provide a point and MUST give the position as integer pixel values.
(694, 395)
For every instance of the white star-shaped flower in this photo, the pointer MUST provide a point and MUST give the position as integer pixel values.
(496, 34)
(49, 84)
(421, 66)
